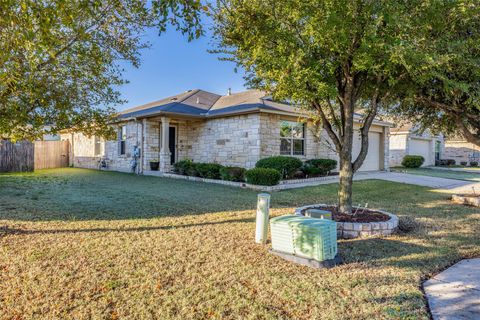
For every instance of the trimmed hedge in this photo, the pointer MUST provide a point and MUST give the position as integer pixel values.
(287, 166)
(473, 163)
(263, 176)
(446, 162)
(319, 166)
(463, 163)
(232, 174)
(185, 167)
(411, 161)
(208, 170)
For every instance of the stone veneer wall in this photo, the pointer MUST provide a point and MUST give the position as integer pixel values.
(315, 147)
(398, 145)
(82, 150)
(84, 147)
(270, 138)
(232, 141)
(460, 151)
(119, 162)
(151, 145)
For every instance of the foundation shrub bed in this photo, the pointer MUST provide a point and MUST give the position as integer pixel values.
(473, 163)
(263, 176)
(286, 166)
(446, 162)
(233, 174)
(412, 161)
(185, 167)
(318, 167)
(208, 170)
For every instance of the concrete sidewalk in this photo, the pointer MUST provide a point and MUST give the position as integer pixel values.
(419, 180)
(455, 293)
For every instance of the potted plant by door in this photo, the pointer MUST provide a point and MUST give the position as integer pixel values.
(154, 164)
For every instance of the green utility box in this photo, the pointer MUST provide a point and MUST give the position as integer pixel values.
(304, 237)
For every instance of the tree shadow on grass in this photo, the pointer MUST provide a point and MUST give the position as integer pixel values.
(15, 231)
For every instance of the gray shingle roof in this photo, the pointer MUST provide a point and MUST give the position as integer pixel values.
(200, 103)
(203, 104)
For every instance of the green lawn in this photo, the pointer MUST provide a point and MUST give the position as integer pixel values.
(81, 244)
(449, 174)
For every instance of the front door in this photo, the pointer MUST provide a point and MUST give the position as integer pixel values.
(172, 143)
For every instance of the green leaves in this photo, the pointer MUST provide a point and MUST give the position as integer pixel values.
(59, 63)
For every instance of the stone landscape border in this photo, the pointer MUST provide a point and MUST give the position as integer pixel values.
(351, 230)
(284, 184)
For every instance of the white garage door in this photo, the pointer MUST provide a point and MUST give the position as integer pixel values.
(422, 148)
(372, 161)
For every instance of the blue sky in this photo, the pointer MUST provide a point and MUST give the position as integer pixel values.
(173, 65)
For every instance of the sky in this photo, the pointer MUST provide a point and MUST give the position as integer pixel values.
(173, 65)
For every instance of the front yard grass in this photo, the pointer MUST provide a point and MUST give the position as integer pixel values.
(83, 244)
(449, 174)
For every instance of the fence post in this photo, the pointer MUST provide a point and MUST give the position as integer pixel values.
(263, 206)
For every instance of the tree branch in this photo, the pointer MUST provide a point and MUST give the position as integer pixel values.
(327, 126)
(367, 123)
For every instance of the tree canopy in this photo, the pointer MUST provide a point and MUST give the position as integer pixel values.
(59, 63)
(331, 57)
(442, 90)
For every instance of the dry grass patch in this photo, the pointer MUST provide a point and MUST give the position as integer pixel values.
(82, 244)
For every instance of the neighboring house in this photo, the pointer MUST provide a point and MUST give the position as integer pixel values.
(407, 140)
(460, 150)
(234, 130)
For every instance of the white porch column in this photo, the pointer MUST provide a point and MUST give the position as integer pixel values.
(165, 151)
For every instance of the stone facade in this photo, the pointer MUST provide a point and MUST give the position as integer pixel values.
(400, 146)
(232, 141)
(461, 151)
(239, 140)
(82, 153)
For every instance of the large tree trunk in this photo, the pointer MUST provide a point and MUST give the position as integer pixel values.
(346, 183)
(345, 153)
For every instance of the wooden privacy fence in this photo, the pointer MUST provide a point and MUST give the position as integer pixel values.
(16, 156)
(27, 156)
(51, 154)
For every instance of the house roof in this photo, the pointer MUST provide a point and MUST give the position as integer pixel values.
(203, 104)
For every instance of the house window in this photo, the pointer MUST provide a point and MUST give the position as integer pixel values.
(292, 138)
(122, 139)
(97, 145)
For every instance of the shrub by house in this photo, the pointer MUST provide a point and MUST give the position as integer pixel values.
(412, 161)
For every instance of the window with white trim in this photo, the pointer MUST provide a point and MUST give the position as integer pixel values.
(97, 142)
(122, 139)
(292, 138)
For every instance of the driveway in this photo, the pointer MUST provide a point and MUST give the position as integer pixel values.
(441, 184)
(437, 183)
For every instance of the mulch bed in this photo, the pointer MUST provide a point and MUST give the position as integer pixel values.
(303, 176)
(362, 215)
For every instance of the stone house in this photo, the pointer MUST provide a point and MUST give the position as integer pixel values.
(234, 129)
(460, 150)
(408, 140)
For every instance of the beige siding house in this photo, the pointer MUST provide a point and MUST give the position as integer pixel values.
(407, 140)
(234, 130)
